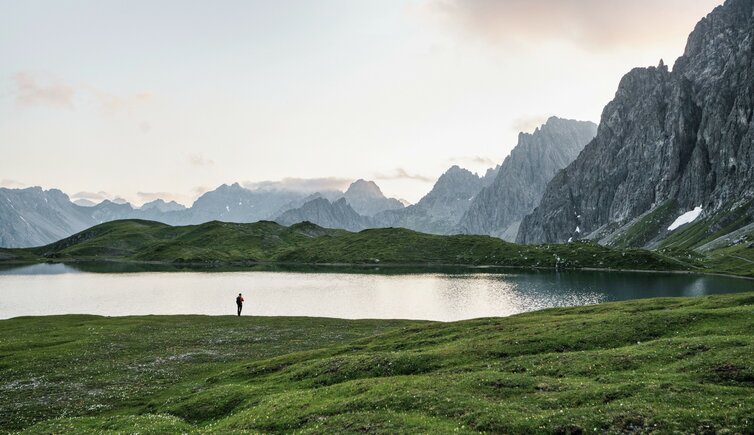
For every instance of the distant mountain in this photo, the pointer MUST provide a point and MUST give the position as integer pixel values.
(162, 206)
(296, 203)
(84, 202)
(234, 203)
(521, 180)
(32, 216)
(440, 210)
(366, 198)
(352, 210)
(320, 211)
(668, 143)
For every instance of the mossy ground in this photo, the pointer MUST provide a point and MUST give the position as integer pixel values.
(656, 365)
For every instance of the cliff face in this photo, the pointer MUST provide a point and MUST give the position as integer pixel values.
(676, 139)
(521, 180)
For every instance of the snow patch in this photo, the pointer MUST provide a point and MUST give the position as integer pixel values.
(686, 218)
(578, 230)
(227, 208)
(570, 239)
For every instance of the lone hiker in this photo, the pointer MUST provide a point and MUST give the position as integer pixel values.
(239, 303)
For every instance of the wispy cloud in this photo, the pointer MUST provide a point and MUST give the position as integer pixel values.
(92, 196)
(198, 160)
(308, 185)
(13, 184)
(591, 24)
(44, 90)
(111, 103)
(145, 197)
(31, 91)
(402, 174)
(528, 123)
(476, 160)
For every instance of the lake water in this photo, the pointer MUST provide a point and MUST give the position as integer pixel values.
(386, 294)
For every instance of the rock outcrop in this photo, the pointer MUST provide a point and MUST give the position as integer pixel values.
(521, 180)
(679, 139)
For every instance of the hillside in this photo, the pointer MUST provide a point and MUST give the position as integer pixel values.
(221, 242)
(678, 365)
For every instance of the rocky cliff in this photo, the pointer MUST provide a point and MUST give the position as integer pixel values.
(670, 141)
(521, 180)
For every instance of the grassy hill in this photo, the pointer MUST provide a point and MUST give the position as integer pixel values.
(657, 365)
(219, 242)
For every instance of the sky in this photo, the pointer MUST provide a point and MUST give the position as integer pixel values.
(171, 98)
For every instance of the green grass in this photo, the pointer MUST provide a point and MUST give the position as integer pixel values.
(648, 227)
(230, 243)
(220, 244)
(709, 228)
(657, 365)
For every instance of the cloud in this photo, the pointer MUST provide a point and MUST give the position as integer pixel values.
(306, 185)
(37, 90)
(50, 92)
(198, 160)
(13, 184)
(402, 174)
(145, 197)
(92, 196)
(200, 190)
(591, 24)
(477, 160)
(528, 123)
(145, 127)
(111, 103)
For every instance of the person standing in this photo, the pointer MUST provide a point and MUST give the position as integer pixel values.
(239, 303)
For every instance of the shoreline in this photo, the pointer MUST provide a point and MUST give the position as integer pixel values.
(244, 264)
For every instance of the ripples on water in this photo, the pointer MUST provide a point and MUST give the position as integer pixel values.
(438, 295)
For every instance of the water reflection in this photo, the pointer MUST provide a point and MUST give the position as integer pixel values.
(445, 295)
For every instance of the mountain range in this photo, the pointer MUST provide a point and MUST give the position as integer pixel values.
(34, 217)
(670, 166)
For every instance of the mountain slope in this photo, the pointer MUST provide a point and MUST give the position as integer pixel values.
(439, 211)
(366, 198)
(320, 211)
(521, 180)
(669, 141)
(34, 216)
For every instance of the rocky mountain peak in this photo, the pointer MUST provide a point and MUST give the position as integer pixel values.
(364, 188)
(523, 176)
(675, 139)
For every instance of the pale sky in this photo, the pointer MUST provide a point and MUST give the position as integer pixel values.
(139, 99)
